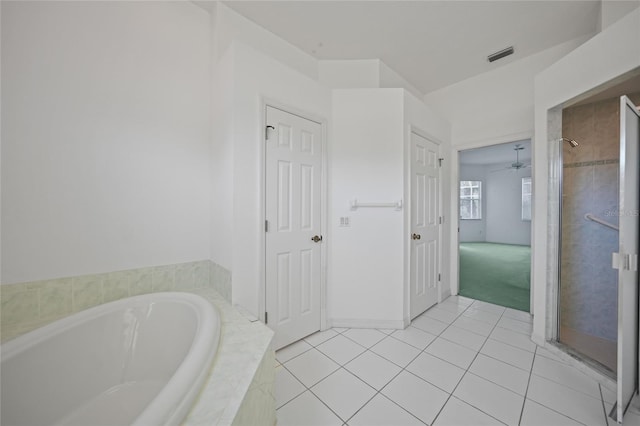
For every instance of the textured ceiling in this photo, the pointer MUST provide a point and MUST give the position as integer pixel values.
(432, 44)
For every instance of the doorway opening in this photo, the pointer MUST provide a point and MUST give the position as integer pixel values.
(494, 226)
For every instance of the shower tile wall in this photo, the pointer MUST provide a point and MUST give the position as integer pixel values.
(588, 290)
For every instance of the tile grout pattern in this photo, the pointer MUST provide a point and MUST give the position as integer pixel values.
(460, 362)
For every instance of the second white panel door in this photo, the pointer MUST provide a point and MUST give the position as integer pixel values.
(425, 232)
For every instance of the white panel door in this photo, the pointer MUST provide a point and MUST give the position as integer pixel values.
(293, 235)
(425, 232)
(627, 258)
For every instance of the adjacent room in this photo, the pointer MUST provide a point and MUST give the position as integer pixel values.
(495, 224)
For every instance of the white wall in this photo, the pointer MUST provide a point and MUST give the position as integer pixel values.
(105, 137)
(503, 199)
(369, 268)
(495, 104)
(349, 74)
(608, 55)
(473, 230)
(366, 162)
(613, 10)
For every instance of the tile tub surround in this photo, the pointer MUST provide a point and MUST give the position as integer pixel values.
(27, 306)
(240, 386)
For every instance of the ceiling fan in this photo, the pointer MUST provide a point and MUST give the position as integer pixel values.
(517, 165)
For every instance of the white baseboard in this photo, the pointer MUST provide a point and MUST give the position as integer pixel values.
(367, 323)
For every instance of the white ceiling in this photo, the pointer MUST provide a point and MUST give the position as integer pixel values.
(432, 44)
(497, 154)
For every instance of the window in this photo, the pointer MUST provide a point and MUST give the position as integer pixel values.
(526, 198)
(470, 199)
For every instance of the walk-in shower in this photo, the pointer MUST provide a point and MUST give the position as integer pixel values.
(588, 285)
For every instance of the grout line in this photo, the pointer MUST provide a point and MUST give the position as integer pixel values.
(604, 407)
(526, 392)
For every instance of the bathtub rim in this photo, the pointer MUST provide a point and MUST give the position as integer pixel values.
(165, 408)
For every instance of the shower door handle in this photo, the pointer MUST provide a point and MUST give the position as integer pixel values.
(624, 262)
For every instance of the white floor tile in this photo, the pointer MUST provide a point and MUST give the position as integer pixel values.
(576, 405)
(380, 411)
(366, 337)
(565, 375)
(415, 337)
(430, 325)
(519, 315)
(287, 386)
(311, 367)
(490, 398)
(515, 325)
(452, 306)
(500, 373)
(386, 331)
(340, 329)
(340, 349)
(484, 316)
(458, 413)
(396, 351)
(321, 336)
(293, 350)
(470, 324)
(436, 371)
(344, 393)
(441, 314)
(420, 398)
(513, 338)
(548, 354)
(489, 307)
(464, 337)
(451, 352)
(373, 369)
(509, 354)
(535, 414)
(307, 410)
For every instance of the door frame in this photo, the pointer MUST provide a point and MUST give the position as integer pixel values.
(455, 204)
(408, 187)
(324, 208)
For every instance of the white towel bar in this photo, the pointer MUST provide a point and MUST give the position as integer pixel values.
(355, 204)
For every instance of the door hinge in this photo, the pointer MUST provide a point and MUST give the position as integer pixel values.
(266, 318)
(440, 160)
(266, 226)
(440, 220)
(624, 262)
(439, 277)
(266, 132)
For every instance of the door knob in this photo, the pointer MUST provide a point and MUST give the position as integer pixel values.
(415, 236)
(316, 238)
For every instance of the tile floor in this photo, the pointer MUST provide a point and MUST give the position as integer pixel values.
(463, 362)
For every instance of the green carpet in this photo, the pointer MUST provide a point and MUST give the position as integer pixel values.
(496, 273)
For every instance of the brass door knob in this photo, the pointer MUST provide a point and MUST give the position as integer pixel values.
(415, 236)
(316, 238)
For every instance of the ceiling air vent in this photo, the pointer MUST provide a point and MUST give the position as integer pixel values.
(501, 54)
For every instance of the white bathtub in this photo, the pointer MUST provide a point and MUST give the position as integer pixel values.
(139, 361)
